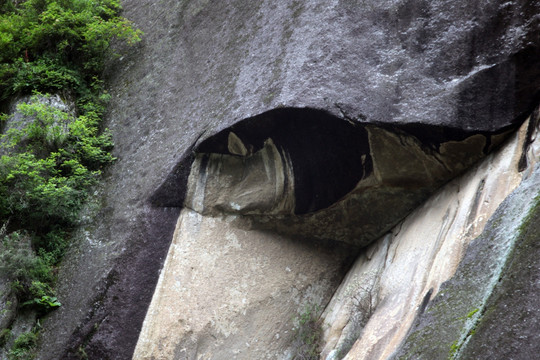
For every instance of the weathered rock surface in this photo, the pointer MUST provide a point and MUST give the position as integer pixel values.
(229, 291)
(205, 66)
(396, 278)
(486, 310)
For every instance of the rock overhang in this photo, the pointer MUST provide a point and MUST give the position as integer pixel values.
(323, 151)
(220, 62)
(306, 172)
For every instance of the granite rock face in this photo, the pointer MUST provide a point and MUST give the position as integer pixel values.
(435, 79)
(405, 280)
(486, 311)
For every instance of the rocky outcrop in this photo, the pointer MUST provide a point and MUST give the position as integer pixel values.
(398, 278)
(441, 81)
(233, 278)
(308, 173)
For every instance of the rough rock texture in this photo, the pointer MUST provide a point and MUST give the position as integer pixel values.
(509, 327)
(395, 279)
(487, 311)
(204, 66)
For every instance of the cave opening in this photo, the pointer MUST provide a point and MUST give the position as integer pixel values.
(329, 155)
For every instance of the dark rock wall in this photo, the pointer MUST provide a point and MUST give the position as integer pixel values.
(510, 326)
(203, 66)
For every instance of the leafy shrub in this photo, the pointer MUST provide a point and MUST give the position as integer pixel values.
(29, 274)
(45, 303)
(5, 336)
(51, 158)
(52, 45)
(60, 157)
(19, 263)
(23, 347)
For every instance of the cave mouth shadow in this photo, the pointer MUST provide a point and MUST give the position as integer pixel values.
(325, 152)
(350, 180)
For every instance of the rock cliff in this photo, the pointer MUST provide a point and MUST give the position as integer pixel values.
(243, 291)
(281, 163)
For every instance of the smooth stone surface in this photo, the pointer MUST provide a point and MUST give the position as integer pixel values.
(229, 291)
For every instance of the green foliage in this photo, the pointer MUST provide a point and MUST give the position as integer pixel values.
(20, 264)
(82, 353)
(52, 45)
(308, 334)
(45, 182)
(5, 336)
(24, 346)
(30, 275)
(50, 157)
(41, 290)
(472, 312)
(45, 303)
(454, 348)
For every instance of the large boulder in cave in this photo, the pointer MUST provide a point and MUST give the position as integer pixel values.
(437, 82)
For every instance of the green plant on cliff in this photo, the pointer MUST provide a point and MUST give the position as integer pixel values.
(23, 347)
(44, 183)
(308, 333)
(52, 157)
(58, 45)
(5, 336)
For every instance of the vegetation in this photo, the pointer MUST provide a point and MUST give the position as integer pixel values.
(58, 46)
(5, 335)
(308, 334)
(50, 155)
(23, 346)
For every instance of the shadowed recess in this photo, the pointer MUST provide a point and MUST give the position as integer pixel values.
(324, 151)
